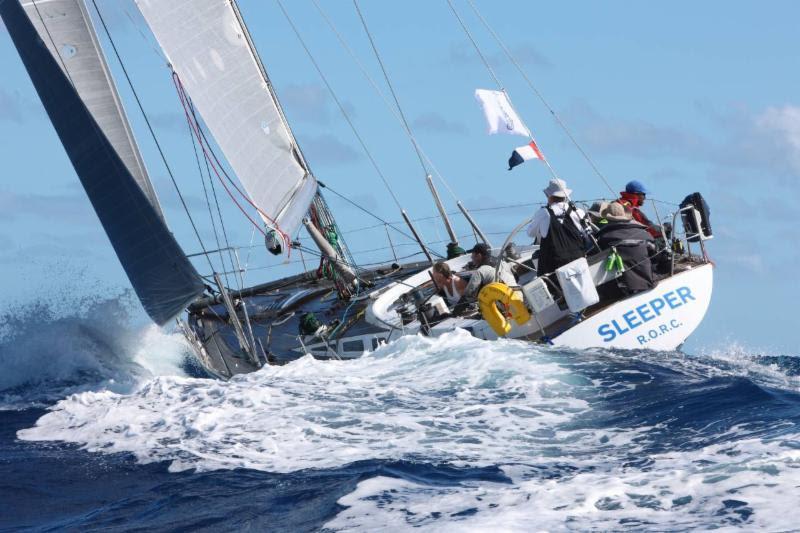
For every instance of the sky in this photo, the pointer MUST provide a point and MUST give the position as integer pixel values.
(684, 96)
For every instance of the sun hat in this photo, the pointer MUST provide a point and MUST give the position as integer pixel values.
(616, 212)
(557, 187)
(597, 209)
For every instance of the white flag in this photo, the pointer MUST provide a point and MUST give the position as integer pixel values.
(499, 114)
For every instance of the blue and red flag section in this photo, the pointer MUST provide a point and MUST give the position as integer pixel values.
(524, 153)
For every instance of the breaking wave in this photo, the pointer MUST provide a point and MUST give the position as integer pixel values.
(49, 349)
(544, 438)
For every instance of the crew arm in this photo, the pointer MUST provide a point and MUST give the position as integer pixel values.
(540, 220)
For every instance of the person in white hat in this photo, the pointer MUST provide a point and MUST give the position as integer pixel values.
(556, 250)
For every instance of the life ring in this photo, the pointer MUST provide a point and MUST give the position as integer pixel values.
(494, 293)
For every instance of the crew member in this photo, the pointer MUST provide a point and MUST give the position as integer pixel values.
(633, 243)
(633, 197)
(557, 228)
(452, 285)
(482, 255)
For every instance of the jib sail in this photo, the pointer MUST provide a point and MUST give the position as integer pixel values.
(210, 49)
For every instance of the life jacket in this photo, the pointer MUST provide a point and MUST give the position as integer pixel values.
(564, 242)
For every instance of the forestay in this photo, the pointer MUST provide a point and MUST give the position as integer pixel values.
(210, 50)
(163, 278)
(67, 30)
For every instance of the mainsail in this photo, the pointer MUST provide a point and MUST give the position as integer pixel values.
(210, 50)
(66, 29)
(163, 278)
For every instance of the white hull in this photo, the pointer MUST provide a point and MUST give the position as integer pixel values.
(659, 319)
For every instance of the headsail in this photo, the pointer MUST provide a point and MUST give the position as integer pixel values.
(67, 30)
(210, 50)
(160, 273)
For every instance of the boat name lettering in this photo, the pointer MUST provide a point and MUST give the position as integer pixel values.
(639, 315)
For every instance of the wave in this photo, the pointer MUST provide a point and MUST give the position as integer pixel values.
(582, 439)
(52, 348)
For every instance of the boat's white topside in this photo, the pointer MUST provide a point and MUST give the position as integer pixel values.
(659, 319)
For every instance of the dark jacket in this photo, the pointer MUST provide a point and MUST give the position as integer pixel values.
(631, 240)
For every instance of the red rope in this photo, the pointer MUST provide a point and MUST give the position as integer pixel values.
(195, 127)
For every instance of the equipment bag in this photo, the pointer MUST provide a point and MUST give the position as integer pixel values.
(696, 230)
(577, 284)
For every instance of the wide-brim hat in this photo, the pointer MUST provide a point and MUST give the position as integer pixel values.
(558, 188)
(616, 212)
(597, 209)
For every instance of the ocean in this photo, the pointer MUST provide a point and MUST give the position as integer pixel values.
(103, 427)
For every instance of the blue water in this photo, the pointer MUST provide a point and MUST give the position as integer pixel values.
(103, 427)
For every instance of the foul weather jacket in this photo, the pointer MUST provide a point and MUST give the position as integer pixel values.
(631, 241)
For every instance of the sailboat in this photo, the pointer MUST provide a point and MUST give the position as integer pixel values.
(340, 310)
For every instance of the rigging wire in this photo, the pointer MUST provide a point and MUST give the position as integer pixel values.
(383, 97)
(391, 87)
(585, 221)
(339, 104)
(497, 81)
(555, 116)
(214, 193)
(152, 132)
(208, 203)
(345, 114)
(477, 48)
(187, 106)
(370, 213)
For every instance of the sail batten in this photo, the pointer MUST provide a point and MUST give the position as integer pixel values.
(66, 28)
(210, 51)
(163, 278)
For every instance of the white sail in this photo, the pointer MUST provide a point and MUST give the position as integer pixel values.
(211, 52)
(67, 30)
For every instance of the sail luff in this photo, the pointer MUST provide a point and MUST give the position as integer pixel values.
(209, 49)
(67, 29)
(163, 278)
(273, 94)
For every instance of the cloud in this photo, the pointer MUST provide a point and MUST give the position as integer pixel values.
(307, 102)
(634, 137)
(464, 53)
(743, 141)
(779, 128)
(436, 123)
(327, 149)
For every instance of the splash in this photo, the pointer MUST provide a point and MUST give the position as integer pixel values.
(55, 347)
(453, 399)
(583, 440)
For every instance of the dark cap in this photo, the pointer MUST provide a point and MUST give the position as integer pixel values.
(481, 248)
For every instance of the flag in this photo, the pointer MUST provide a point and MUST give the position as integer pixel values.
(524, 153)
(500, 115)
